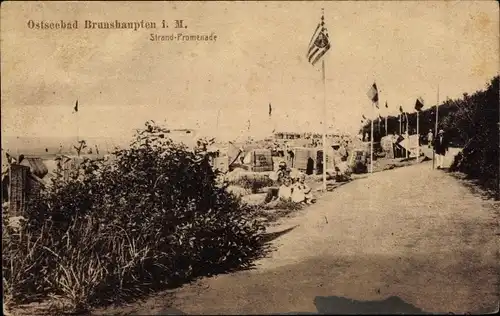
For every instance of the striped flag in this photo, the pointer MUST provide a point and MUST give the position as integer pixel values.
(373, 94)
(419, 104)
(76, 106)
(319, 43)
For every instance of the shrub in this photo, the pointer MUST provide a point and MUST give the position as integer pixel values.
(253, 182)
(476, 121)
(154, 216)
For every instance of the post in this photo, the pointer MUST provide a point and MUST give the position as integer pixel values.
(77, 127)
(408, 136)
(400, 118)
(371, 139)
(435, 128)
(17, 150)
(386, 125)
(217, 128)
(324, 124)
(418, 137)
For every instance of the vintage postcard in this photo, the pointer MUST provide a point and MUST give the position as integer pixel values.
(250, 157)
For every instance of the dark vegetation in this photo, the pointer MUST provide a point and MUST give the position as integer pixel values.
(153, 217)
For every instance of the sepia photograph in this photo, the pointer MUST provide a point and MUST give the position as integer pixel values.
(250, 157)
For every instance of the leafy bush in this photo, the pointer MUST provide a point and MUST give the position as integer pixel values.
(154, 216)
(476, 123)
(253, 183)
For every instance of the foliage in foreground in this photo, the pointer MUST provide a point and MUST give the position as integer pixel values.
(152, 217)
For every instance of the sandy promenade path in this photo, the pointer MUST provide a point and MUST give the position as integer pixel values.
(415, 233)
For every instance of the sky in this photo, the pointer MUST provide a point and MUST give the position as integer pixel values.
(223, 88)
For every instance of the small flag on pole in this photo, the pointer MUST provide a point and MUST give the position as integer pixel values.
(373, 94)
(76, 106)
(401, 109)
(319, 43)
(270, 110)
(386, 105)
(364, 117)
(419, 104)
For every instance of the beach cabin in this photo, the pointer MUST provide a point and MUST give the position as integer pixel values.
(310, 160)
(258, 160)
(22, 182)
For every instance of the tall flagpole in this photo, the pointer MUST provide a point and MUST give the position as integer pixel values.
(324, 124)
(400, 118)
(418, 137)
(435, 128)
(371, 138)
(408, 136)
(77, 128)
(386, 125)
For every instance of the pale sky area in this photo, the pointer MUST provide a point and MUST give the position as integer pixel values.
(122, 79)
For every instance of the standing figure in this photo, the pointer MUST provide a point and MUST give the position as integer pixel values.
(430, 138)
(441, 146)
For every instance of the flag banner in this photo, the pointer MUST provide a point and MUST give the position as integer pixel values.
(319, 44)
(76, 106)
(386, 105)
(401, 109)
(419, 104)
(364, 117)
(373, 94)
(270, 109)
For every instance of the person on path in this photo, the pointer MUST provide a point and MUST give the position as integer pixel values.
(430, 138)
(441, 146)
